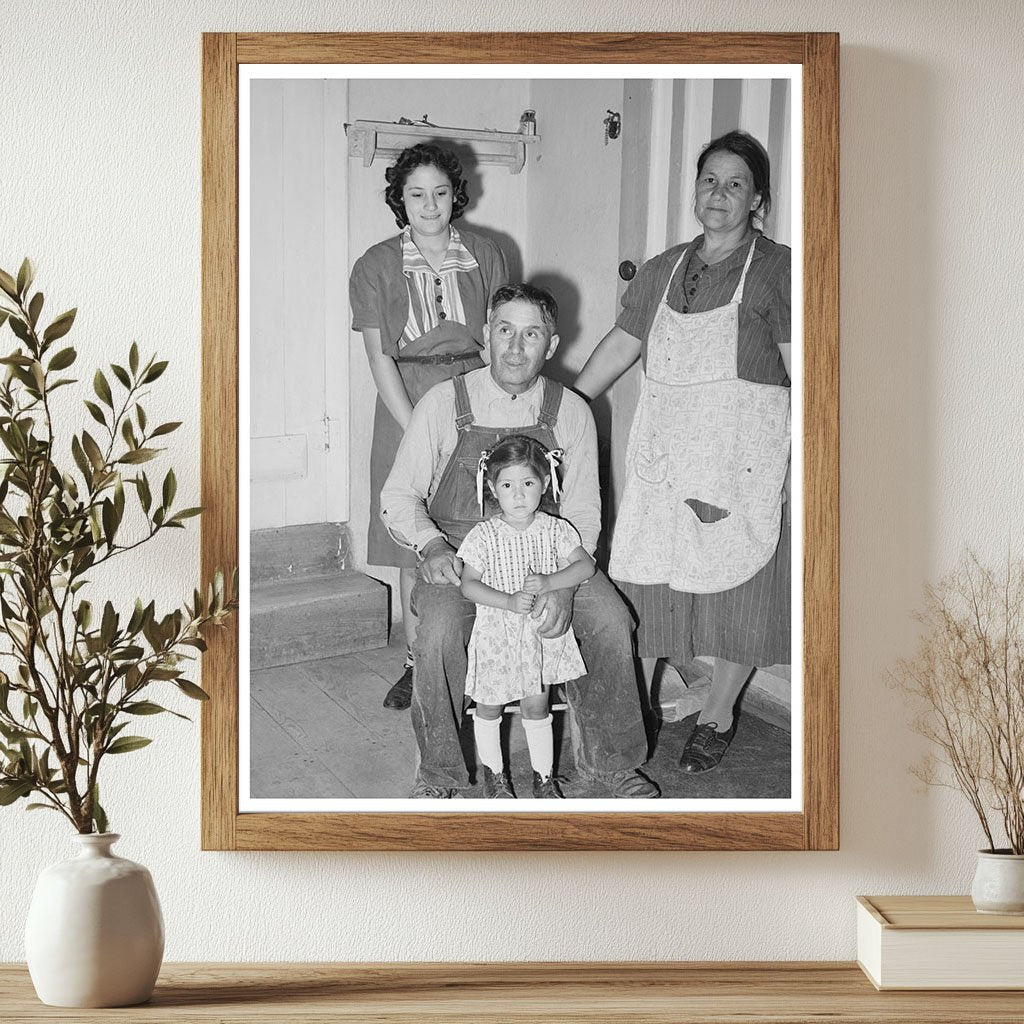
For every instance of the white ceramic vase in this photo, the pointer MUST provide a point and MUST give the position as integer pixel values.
(95, 934)
(999, 883)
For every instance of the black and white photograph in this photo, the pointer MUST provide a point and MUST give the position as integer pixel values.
(520, 507)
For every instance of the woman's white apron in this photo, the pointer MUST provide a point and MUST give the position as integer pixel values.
(701, 434)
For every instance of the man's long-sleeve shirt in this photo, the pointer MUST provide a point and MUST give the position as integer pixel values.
(431, 438)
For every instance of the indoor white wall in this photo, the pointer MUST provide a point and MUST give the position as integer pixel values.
(100, 182)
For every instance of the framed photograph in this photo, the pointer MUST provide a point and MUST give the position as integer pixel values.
(521, 407)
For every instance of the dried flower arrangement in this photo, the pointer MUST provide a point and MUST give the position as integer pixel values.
(967, 679)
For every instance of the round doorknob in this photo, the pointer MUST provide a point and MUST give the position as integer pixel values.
(627, 270)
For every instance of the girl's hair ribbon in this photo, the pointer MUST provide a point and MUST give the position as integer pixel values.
(553, 458)
(480, 467)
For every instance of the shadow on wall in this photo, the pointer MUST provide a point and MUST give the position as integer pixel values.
(508, 245)
(889, 311)
(565, 289)
(474, 188)
(567, 294)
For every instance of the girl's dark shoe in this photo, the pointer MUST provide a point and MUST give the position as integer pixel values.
(497, 785)
(399, 697)
(546, 789)
(705, 748)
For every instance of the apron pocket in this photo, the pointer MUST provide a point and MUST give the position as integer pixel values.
(651, 465)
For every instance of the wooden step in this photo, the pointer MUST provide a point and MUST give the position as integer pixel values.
(312, 549)
(307, 618)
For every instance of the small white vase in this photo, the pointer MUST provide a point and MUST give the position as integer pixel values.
(999, 882)
(95, 934)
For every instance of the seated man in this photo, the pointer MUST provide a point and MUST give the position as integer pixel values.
(429, 503)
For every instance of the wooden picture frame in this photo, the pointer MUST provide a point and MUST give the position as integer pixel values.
(816, 826)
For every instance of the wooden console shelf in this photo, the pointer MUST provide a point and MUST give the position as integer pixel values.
(660, 993)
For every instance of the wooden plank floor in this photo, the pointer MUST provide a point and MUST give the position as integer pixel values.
(539, 993)
(318, 731)
(341, 742)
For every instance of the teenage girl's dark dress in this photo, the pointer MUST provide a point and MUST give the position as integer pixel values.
(431, 324)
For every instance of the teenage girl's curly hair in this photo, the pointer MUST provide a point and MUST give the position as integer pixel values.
(424, 155)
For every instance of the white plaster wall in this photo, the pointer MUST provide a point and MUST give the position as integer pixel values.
(99, 181)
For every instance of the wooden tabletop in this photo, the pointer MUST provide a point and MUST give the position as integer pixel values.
(661, 993)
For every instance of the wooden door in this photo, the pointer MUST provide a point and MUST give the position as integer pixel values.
(298, 309)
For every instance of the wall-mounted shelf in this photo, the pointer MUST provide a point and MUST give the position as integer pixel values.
(372, 140)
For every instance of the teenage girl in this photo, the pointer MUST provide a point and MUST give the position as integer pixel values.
(419, 300)
(508, 561)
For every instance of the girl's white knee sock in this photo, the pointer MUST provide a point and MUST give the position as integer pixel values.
(488, 742)
(539, 739)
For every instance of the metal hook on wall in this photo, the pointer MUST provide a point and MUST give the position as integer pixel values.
(612, 126)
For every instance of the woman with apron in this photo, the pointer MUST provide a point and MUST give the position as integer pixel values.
(701, 548)
(419, 300)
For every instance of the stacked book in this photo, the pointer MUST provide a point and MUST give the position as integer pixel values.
(938, 942)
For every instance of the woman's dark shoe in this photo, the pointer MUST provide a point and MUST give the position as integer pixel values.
(497, 785)
(399, 697)
(546, 789)
(705, 748)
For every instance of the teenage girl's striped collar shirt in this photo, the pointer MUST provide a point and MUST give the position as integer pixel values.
(433, 295)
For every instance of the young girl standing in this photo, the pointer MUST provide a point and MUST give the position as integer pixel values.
(508, 561)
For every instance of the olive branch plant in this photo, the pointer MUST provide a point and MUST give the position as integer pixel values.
(74, 676)
(967, 682)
